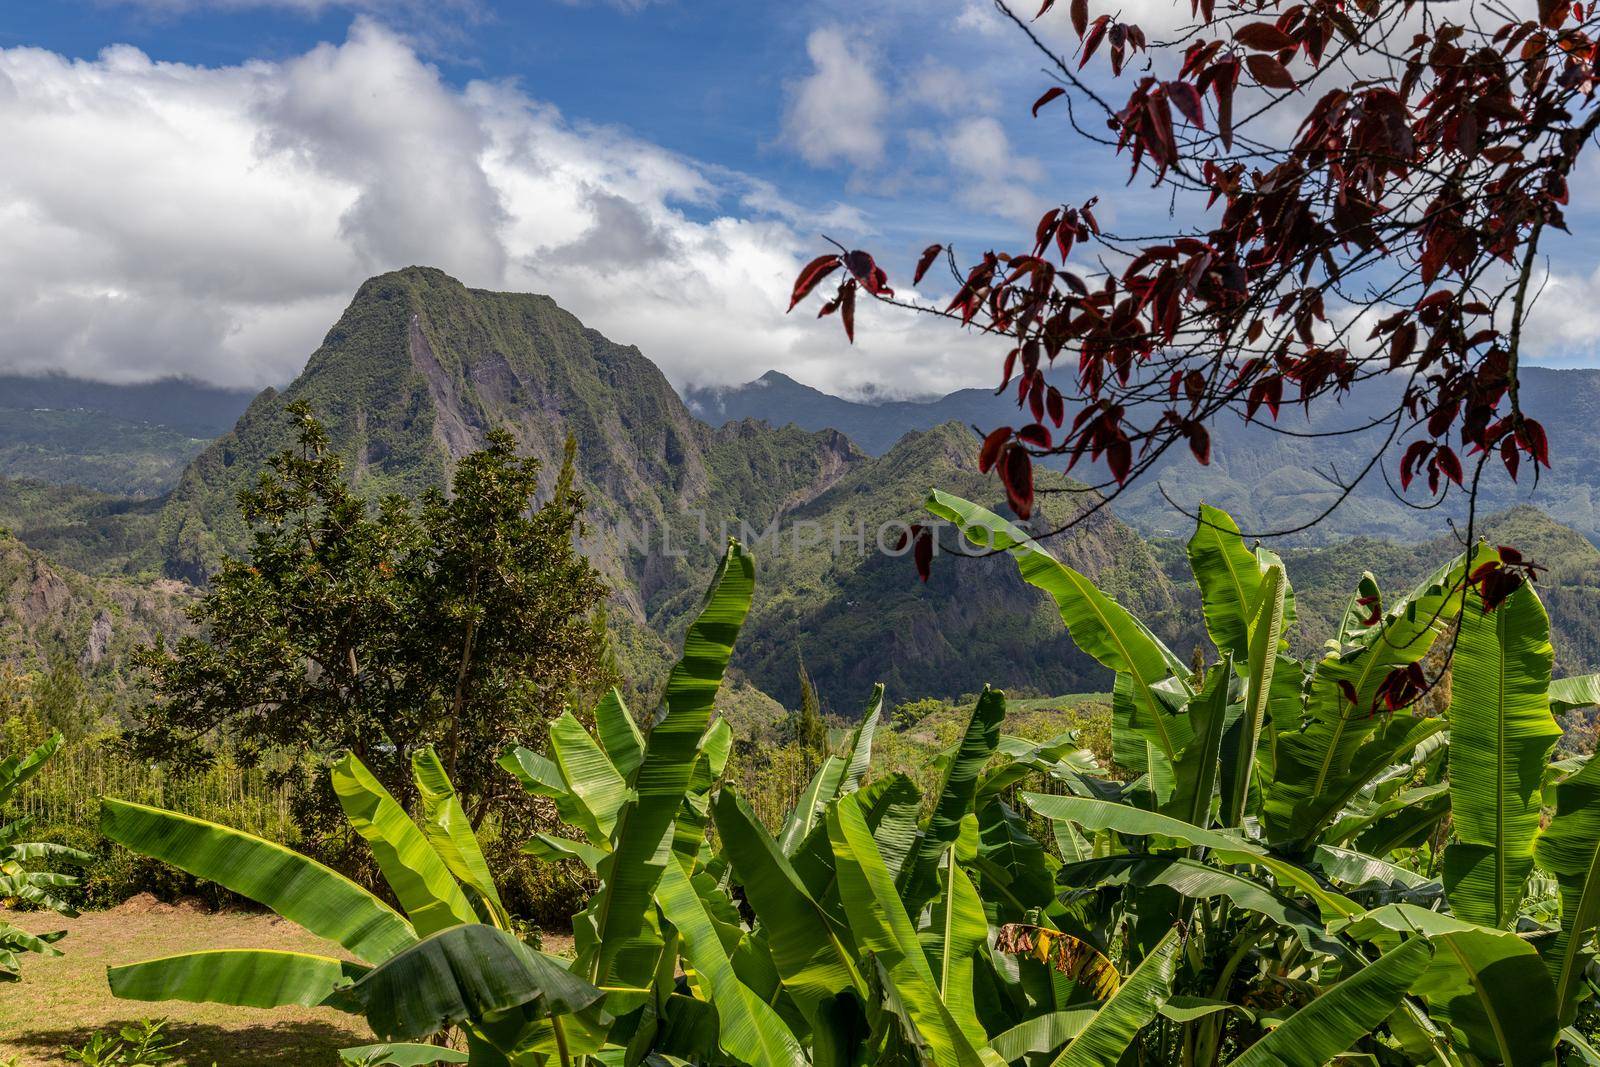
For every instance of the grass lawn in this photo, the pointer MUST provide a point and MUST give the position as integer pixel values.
(62, 1001)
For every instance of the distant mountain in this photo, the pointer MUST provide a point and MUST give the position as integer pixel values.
(419, 368)
(1267, 479)
(132, 440)
(49, 613)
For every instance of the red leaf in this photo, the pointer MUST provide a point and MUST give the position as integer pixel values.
(1055, 406)
(1269, 72)
(1035, 435)
(1119, 458)
(1510, 456)
(1092, 41)
(1200, 443)
(1046, 6)
(991, 448)
(1263, 37)
(1449, 463)
(922, 550)
(1016, 474)
(813, 273)
(1080, 16)
(1401, 344)
(1348, 690)
(1187, 99)
(847, 309)
(1049, 95)
(929, 254)
(1531, 434)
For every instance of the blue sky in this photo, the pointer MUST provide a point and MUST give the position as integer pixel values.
(196, 186)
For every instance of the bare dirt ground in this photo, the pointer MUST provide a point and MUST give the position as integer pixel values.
(62, 1001)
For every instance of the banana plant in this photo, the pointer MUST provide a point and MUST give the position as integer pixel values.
(17, 882)
(448, 956)
(1280, 809)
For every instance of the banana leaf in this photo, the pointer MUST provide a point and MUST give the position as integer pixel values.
(1099, 626)
(449, 831)
(249, 978)
(628, 876)
(813, 962)
(859, 758)
(1195, 769)
(1501, 734)
(16, 770)
(1042, 1034)
(301, 890)
(589, 774)
(1569, 694)
(403, 1055)
(464, 974)
(619, 734)
(1238, 759)
(1569, 849)
(748, 1029)
(1314, 773)
(1229, 576)
(882, 928)
(959, 931)
(420, 880)
(1485, 984)
(806, 816)
(955, 798)
(1343, 1013)
(1130, 1009)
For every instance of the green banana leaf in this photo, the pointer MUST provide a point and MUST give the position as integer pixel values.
(1195, 769)
(1314, 773)
(403, 1055)
(1343, 1013)
(554, 849)
(1238, 759)
(882, 928)
(448, 829)
(1501, 734)
(812, 961)
(301, 890)
(628, 876)
(960, 930)
(859, 758)
(806, 816)
(1353, 623)
(249, 978)
(1229, 576)
(748, 1029)
(1201, 881)
(590, 775)
(619, 734)
(955, 798)
(1130, 1009)
(1569, 849)
(1099, 626)
(1487, 985)
(1569, 694)
(462, 975)
(1042, 1034)
(420, 880)
(1136, 822)
(16, 770)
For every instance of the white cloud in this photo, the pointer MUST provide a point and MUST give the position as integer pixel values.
(836, 113)
(163, 218)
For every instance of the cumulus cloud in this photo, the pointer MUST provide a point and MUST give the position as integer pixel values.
(836, 112)
(164, 218)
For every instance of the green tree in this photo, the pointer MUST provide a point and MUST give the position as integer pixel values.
(463, 621)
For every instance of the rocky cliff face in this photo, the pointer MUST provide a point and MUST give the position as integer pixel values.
(49, 613)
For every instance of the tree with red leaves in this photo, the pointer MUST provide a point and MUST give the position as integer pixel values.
(1395, 232)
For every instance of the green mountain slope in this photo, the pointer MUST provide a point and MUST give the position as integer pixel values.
(49, 612)
(419, 368)
(859, 615)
